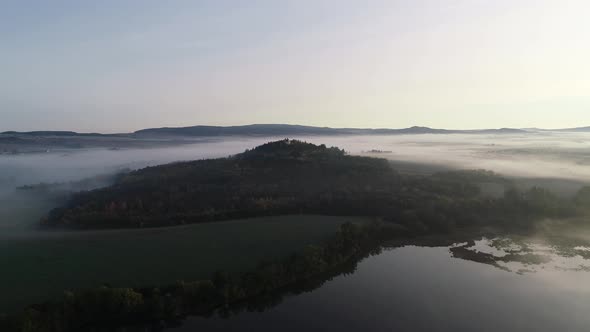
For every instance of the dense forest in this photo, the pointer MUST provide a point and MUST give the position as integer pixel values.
(294, 177)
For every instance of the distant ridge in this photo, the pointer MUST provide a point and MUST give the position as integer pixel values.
(248, 130)
(283, 129)
(13, 142)
(262, 130)
(561, 130)
(44, 133)
(577, 130)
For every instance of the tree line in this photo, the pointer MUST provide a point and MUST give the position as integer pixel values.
(106, 307)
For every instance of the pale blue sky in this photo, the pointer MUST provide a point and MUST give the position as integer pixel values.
(120, 65)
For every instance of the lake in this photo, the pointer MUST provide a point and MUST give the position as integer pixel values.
(427, 289)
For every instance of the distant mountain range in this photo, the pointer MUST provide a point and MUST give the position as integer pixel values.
(12, 142)
(272, 130)
(278, 130)
(281, 130)
(576, 130)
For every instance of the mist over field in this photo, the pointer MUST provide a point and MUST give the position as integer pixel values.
(21, 210)
(550, 154)
(558, 160)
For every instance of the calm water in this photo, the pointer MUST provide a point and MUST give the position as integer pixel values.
(427, 289)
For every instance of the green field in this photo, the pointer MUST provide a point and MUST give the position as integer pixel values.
(37, 268)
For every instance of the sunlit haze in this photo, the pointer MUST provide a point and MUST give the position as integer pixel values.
(118, 66)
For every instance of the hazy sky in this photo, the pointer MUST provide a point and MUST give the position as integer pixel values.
(115, 65)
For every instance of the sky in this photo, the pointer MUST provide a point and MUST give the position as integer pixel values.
(123, 65)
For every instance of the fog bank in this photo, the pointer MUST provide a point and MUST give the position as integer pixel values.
(535, 155)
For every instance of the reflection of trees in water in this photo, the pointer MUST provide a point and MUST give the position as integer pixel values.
(498, 252)
(260, 303)
(507, 250)
(503, 253)
(271, 300)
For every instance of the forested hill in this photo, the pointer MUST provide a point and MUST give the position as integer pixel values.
(289, 176)
(280, 177)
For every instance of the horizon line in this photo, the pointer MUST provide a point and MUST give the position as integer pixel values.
(7, 132)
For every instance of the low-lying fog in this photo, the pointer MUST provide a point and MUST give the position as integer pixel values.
(548, 155)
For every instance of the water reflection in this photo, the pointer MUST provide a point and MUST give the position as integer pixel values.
(523, 284)
(510, 283)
